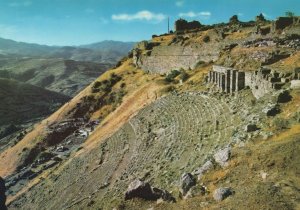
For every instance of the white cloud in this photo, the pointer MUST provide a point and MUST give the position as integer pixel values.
(141, 15)
(240, 14)
(179, 3)
(191, 14)
(20, 4)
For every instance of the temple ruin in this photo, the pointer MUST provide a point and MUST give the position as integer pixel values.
(228, 80)
(263, 81)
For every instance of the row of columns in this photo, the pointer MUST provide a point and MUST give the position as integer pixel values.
(228, 81)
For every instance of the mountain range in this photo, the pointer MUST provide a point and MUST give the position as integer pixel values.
(34, 77)
(105, 51)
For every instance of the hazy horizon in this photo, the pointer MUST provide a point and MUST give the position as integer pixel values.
(75, 45)
(71, 23)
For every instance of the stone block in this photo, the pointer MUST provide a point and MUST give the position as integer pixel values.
(295, 84)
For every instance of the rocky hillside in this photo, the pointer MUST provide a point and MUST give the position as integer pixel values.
(190, 137)
(63, 76)
(46, 70)
(22, 104)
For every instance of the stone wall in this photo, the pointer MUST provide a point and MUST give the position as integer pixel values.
(182, 25)
(162, 59)
(260, 82)
(283, 22)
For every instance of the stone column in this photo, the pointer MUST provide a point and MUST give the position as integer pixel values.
(232, 80)
(220, 81)
(211, 76)
(227, 81)
(214, 77)
(223, 82)
(240, 81)
(217, 78)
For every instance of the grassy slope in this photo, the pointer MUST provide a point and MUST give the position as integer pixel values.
(138, 85)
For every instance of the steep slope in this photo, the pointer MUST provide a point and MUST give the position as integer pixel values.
(23, 105)
(21, 102)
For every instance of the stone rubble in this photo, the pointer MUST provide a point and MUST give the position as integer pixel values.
(186, 182)
(222, 156)
(141, 189)
(203, 169)
(222, 193)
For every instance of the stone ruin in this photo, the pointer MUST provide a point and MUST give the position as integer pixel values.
(182, 25)
(260, 18)
(234, 20)
(283, 22)
(230, 80)
(227, 79)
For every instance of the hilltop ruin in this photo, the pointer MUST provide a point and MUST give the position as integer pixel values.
(185, 51)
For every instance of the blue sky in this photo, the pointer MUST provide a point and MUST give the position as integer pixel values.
(75, 22)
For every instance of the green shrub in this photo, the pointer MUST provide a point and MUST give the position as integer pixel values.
(171, 76)
(206, 39)
(123, 85)
(280, 123)
(183, 75)
(200, 64)
(106, 85)
(114, 78)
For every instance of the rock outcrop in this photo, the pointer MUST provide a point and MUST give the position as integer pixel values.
(222, 156)
(222, 193)
(187, 181)
(203, 169)
(140, 189)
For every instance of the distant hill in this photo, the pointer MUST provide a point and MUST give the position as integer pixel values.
(106, 51)
(64, 76)
(22, 102)
(110, 45)
(10, 47)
